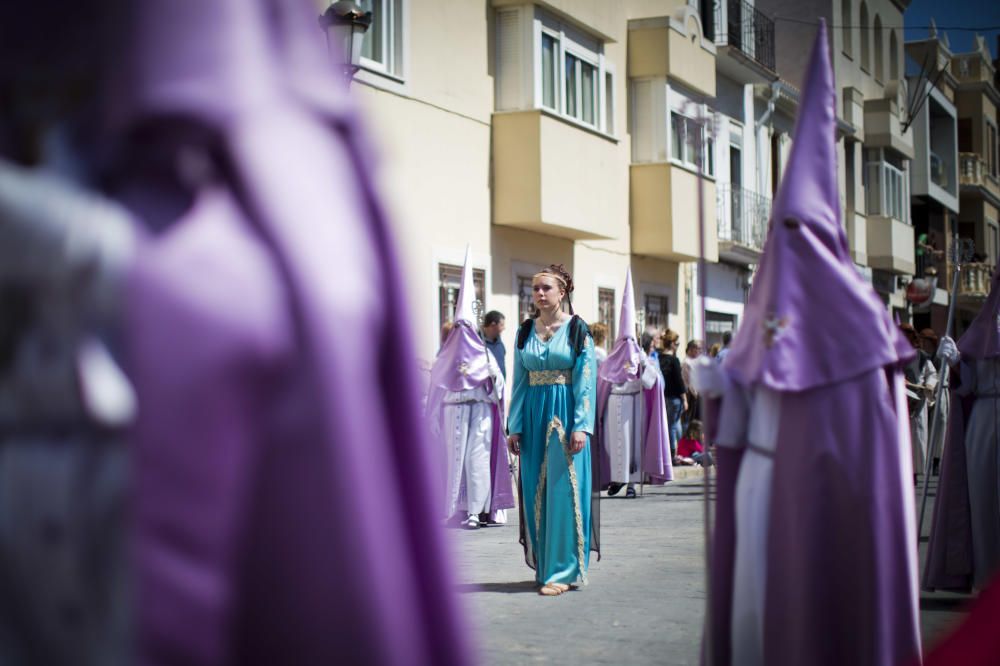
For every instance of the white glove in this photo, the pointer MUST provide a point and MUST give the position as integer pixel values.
(708, 378)
(948, 351)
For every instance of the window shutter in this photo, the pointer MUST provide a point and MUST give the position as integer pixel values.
(509, 60)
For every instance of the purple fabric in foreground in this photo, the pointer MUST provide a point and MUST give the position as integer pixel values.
(280, 454)
(982, 339)
(841, 582)
(841, 549)
(949, 563)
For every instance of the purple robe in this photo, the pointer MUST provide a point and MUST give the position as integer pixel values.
(624, 363)
(465, 349)
(841, 582)
(280, 453)
(950, 563)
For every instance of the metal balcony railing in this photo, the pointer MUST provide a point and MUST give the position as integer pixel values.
(742, 215)
(739, 24)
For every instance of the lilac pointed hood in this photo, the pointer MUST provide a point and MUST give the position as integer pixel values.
(982, 339)
(623, 362)
(811, 319)
(462, 362)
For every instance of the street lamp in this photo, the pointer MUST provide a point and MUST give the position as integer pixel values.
(344, 23)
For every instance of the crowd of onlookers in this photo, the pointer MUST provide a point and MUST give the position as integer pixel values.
(684, 407)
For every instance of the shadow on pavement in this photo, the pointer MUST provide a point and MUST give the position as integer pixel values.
(504, 588)
(946, 604)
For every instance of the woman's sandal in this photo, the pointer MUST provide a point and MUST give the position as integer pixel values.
(553, 589)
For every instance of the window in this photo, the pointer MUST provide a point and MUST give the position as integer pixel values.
(543, 64)
(550, 52)
(381, 50)
(609, 103)
(990, 151)
(992, 241)
(581, 90)
(879, 55)
(450, 281)
(686, 141)
(656, 312)
(849, 175)
(865, 37)
(776, 169)
(606, 313)
(845, 22)
(717, 324)
(887, 188)
(525, 306)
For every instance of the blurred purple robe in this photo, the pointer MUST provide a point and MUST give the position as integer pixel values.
(818, 352)
(965, 510)
(280, 455)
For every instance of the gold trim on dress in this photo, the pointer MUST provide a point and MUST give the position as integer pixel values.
(556, 425)
(549, 377)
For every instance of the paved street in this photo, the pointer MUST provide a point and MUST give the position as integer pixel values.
(645, 600)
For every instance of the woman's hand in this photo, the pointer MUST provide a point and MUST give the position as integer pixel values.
(577, 441)
(514, 444)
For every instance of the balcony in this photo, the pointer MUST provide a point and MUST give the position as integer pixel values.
(552, 177)
(973, 173)
(744, 36)
(742, 217)
(974, 282)
(883, 127)
(664, 205)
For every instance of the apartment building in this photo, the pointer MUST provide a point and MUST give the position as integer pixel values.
(932, 118)
(874, 151)
(978, 105)
(754, 117)
(559, 131)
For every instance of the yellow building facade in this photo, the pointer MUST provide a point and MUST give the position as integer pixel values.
(505, 126)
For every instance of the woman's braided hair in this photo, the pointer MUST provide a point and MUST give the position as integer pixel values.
(559, 272)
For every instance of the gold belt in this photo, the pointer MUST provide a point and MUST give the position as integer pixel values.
(548, 377)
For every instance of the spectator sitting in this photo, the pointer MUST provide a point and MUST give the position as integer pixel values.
(691, 450)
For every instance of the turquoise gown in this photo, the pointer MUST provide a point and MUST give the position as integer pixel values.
(555, 484)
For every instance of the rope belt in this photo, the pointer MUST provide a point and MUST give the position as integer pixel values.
(549, 377)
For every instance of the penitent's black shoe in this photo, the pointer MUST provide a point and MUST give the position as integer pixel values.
(614, 488)
(630, 493)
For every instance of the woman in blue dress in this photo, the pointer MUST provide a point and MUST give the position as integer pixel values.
(550, 425)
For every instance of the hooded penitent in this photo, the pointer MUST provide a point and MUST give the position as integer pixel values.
(278, 443)
(624, 363)
(950, 551)
(462, 364)
(817, 343)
